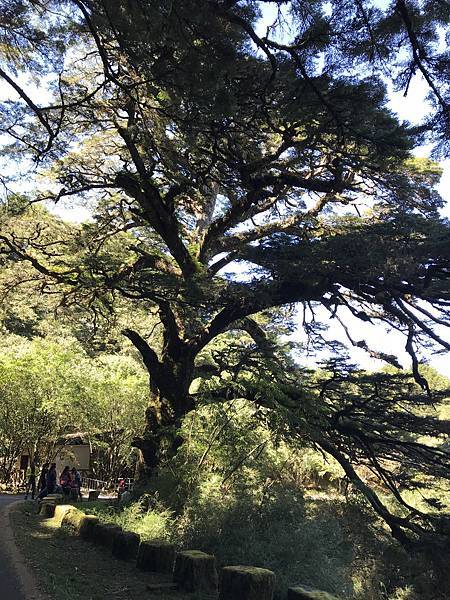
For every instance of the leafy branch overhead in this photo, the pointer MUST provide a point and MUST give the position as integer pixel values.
(230, 174)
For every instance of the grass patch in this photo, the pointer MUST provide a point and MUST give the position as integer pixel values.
(68, 568)
(151, 524)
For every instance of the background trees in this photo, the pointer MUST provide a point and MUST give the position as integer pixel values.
(50, 389)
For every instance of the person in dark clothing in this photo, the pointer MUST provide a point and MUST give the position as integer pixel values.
(65, 480)
(43, 477)
(31, 482)
(50, 482)
(76, 482)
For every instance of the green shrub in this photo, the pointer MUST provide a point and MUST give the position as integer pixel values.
(277, 531)
(150, 523)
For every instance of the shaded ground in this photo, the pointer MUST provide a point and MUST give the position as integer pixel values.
(10, 587)
(69, 568)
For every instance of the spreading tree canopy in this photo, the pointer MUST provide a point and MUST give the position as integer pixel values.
(239, 157)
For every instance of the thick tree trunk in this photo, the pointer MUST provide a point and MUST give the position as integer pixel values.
(170, 378)
(159, 440)
(169, 403)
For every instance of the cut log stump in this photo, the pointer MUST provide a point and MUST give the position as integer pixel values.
(87, 527)
(104, 534)
(47, 510)
(158, 557)
(57, 498)
(125, 545)
(61, 510)
(304, 592)
(196, 571)
(246, 583)
(73, 520)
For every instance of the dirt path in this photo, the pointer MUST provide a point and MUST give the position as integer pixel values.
(16, 583)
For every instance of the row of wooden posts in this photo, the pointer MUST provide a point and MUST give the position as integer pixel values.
(191, 570)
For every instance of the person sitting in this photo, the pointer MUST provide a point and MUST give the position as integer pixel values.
(65, 481)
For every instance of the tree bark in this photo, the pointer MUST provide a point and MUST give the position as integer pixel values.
(170, 379)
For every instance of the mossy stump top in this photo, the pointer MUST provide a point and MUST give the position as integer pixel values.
(47, 502)
(73, 520)
(307, 593)
(57, 498)
(61, 510)
(246, 583)
(47, 510)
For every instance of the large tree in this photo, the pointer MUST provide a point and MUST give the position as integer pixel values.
(236, 173)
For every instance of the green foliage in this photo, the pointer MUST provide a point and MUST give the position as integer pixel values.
(152, 524)
(273, 530)
(52, 388)
(281, 509)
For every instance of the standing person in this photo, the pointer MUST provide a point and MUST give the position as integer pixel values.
(43, 477)
(31, 483)
(120, 488)
(76, 477)
(50, 482)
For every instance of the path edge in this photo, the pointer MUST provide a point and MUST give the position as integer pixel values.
(28, 580)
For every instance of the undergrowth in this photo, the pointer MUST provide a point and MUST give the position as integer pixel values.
(284, 508)
(318, 539)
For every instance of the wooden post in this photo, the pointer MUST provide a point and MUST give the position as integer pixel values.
(158, 557)
(104, 534)
(246, 583)
(125, 545)
(196, 571)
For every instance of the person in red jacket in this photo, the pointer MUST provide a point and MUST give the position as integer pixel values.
(65, 480)
(120, 488)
